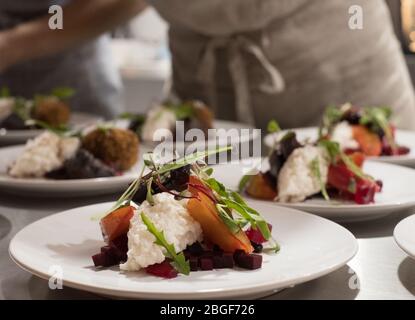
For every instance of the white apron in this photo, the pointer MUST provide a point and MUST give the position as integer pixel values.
(286, 59)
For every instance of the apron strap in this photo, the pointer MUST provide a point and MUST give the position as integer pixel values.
(235, 46)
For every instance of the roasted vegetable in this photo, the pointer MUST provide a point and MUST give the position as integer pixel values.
(369, 142)
(116, 223)
(202, 208)
(260, 186)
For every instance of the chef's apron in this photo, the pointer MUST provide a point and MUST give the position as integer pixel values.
(88, 68)
(286, 59)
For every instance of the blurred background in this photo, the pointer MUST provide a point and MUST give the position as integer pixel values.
(141, 52)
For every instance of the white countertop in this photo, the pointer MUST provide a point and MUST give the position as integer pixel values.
(381, 270)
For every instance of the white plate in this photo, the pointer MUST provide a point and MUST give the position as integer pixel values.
(403, 137)
(398, 192)
(8, 137)
(62, 188)
(404, 235)
(310, 248)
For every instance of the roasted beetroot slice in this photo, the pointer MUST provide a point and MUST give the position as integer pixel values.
(255, 235)
(228, 261)
(162, 270)
(103, 260)
(194, 264)
(206, 264)
(248, 261)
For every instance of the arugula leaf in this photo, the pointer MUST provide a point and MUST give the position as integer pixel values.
(149, 196)
(334, 151)
(182, 111)
(273, 127)
(63, 93)
(232, 200)
(378, 119)
(315, 169)
(179, 260)
(233, 225)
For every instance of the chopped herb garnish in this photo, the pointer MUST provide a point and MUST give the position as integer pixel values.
(273, 127)
(4, 92)
(149, 197)
(244, 182)
(315, 169)
(334, 151)
(179, 261)
(63, 93)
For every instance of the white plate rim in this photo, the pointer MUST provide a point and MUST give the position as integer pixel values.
(397, 235)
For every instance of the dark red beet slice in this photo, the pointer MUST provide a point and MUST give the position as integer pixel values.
(255, 235)
(194, 263)
(248, 261)
(217, 262)
(227, 259)
(163, 270)
(206, 264)
(195, 249)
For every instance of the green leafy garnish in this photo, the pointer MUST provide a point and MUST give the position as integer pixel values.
(149, 196)
(315, 169)
(273, 127)
(244, 182)
(179, 261)
(334, 151)
(232, 200)
(377, 119)
(62, 93)
(192, 158)
(182, 111)
(5, 92)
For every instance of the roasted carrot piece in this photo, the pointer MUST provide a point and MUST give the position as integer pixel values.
(369, 142)
(116, 223)
(204, 211)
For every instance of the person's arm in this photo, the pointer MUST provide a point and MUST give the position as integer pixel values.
(82, 21)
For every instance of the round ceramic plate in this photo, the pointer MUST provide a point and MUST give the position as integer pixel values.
(403, 137)
(310, 248)
(8, 137)
(61, 188)
(398, 192)
(404, 235)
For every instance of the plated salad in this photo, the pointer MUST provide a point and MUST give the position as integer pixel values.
(299, 171)
(51, 110)
(178, 219)
(194, 114)
(368, 130)
(62, 155)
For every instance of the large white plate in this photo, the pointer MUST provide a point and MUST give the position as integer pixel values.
(62, 188)
(310, 248)
(403, 137)
(398, 192)
(78, 119)
(404, 235)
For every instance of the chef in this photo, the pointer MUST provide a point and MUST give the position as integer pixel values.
(287, 59)
(256, 60)
(35, 59)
